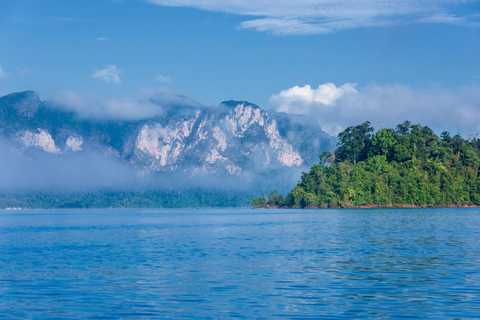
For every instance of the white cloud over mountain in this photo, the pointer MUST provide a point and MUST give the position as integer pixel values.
(336, 108)
(285, 17)
(107, 107)
(110, 74)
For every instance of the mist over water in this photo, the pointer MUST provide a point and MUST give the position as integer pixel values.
(72, 172)
(91, 171)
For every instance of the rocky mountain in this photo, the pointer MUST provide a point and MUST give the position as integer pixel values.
(234, 139)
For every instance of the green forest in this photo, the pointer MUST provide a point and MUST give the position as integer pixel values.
(409, 166)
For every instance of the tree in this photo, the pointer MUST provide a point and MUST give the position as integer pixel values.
(445, 137)
(275, 199)
(403, 129)
(383, 143)
(353, 143)
(259, 202)
(327, 158)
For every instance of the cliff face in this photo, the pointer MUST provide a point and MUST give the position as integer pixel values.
(232, 139)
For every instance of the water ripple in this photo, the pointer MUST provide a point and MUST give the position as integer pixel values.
(211, 264)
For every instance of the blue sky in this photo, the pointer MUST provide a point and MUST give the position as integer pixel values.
(373, 60)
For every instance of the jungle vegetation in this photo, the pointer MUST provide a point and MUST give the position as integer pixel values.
(409, 166)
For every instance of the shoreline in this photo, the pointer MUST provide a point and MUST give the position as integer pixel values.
(375, 206)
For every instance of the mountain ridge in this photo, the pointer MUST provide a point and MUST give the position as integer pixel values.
(235, 138)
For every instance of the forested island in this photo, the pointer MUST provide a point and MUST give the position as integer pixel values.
(409, 166)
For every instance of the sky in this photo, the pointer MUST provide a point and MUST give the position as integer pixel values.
(342, 62)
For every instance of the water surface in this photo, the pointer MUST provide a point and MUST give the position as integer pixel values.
(240, 263)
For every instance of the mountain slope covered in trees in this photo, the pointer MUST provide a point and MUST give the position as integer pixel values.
(408, 166)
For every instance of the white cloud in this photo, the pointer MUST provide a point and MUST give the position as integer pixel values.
(101, 39)
(443, 18)
(326, 94)
(111, 74)
(325, 16)
(335, 108)
(3, 73)
(107, 107)
(163, 78)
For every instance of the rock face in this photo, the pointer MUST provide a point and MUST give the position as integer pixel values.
(42, 139)
(234, 138)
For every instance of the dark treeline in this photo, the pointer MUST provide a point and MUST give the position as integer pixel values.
(405, 166)
(127, 199)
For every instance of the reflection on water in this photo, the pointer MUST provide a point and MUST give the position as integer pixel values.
(241, 263)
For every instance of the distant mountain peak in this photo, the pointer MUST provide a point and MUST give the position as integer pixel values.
(25, 103)
(28, 94)
(235, 103)
(27, 97)
(174, 100)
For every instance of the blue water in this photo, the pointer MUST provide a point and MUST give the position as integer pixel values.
(240, 263)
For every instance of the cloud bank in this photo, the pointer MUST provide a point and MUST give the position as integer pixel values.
(106, 107)
(286, 17)
(110, 74)
(335, 108)
(75, 172)
(90, 170)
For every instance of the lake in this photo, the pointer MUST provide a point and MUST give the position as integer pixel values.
(240, 263)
